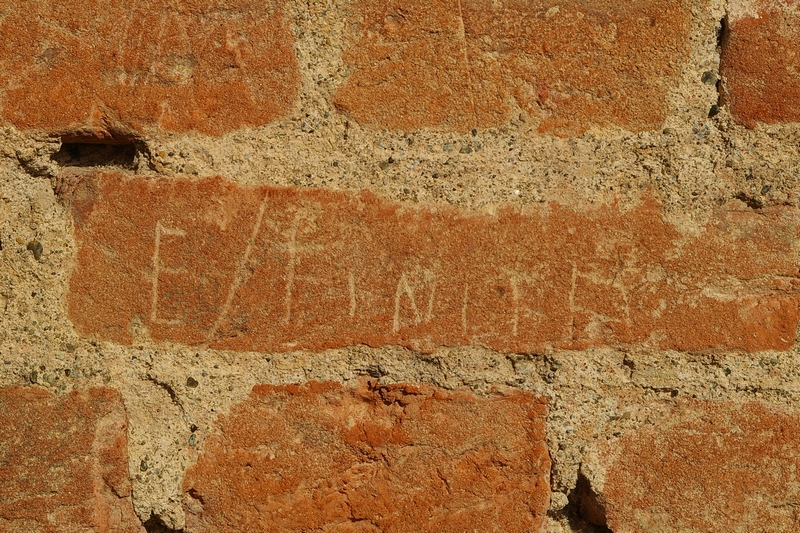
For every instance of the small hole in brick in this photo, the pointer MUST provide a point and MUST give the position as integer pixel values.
(86, 152)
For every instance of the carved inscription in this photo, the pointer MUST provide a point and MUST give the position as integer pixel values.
(100, 68)
(206, 262)
(458, 64)
(158, 268)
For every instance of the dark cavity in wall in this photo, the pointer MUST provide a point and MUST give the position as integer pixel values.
(155, 525)
(722, 31)
(119, 151)
(585, 511)
(722, 36)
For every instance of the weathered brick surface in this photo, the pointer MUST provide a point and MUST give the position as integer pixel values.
(99, 66)
(761, 62)
(459, 64)
(63, 463)
(710, 467)
(272, 269)
(396, 458)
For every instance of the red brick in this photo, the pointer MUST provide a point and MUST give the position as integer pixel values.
(63, 462)
(104, 66)
(570, 64)
(269, 269)
(761, 65)
(391, 458)
(709, 467)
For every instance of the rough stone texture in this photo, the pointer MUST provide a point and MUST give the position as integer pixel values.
(710, 466)
(699, 169)
(761, 63)
(103, 68)
(271, 269)
(394, 458)
(64, 462)
(569, 64)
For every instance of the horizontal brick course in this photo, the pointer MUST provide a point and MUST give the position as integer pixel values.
(63, 462)
(460, 64)
(761, 64)
(270, 269)
(711, 466)
(104, 67)
(394, 458)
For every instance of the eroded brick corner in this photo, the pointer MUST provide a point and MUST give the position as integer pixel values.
(457, 65)
(760, 63)
(373, 458)
(64, 462)
(100, 68)
(710, 466)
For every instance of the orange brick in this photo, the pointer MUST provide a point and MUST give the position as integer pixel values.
(108, 67)
(709, 467)
(269, 269)
(760, 64)
(63, 462)
(459, 64)
(394, 458)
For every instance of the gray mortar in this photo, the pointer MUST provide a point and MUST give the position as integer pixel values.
(692, 164)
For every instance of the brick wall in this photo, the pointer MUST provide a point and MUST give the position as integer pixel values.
(360, 266)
